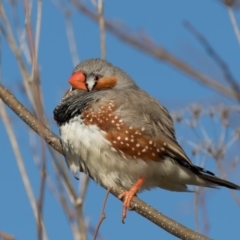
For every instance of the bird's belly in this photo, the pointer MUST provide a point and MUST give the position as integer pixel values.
(85, 147)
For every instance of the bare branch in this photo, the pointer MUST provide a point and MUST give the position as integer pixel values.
(21, 167)
(71, 39)
(103, 215)
(5, 236)
(12, 43)
(67, 13)
(38, 26)
(214, 55)
(101, 22)
(234, 23)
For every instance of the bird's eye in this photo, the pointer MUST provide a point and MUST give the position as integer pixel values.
(96, 78)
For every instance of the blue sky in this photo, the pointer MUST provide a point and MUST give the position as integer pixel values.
(163, 22)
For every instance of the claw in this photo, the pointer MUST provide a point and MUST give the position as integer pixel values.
(128, 195)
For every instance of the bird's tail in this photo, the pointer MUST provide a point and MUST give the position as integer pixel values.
(215, 181)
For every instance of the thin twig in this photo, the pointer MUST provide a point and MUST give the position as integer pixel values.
(41, 192)
(21, 166)
(5, 236)
(84, 185)
(12, 43)
(62, 198)
(234, 23)
(214, 55)
(103, 215)
(101, 22)
(79, 207)
(63, 180)
(71, 38)
(38, 26)
(67, 13)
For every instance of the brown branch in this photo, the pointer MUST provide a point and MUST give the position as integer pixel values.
(15, 49)
(139, 206)
(41, 196)
(103, 215)
(5, 236)
(156, 51)
(21, 166)
(228, 2)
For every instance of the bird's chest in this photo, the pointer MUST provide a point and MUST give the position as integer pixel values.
(85, 147)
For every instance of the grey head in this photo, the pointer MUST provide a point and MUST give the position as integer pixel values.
(95, 69)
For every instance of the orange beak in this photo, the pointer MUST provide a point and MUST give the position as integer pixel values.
(77, 81)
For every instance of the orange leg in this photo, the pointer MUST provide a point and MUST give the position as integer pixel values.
(128, 195)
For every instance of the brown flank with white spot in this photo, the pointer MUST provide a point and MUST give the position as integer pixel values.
(126, 140)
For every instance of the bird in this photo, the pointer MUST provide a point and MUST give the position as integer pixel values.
(121, 136)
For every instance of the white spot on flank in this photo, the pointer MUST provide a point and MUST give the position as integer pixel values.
(144, 150)
(158, 150)
(137, 145)
(153, 154)
(126, 138)
(133, 148)
(130, 127)
(121, 142)
(91, 120)
(132, 136)
(136, 132)
(117, 124)
(127, 144)
(164, 144)
(114, 142)
(132, 140)
(126, 131)
(118, 138)
(162, 148)
(139, 153)
(116, 117)
(142, 128)
(150, 142)
(113, 121)
(120, 120)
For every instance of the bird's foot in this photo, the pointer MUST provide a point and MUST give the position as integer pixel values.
(128, 195)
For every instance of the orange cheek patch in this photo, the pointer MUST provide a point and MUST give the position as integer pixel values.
(106, 82)
(127, 140)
